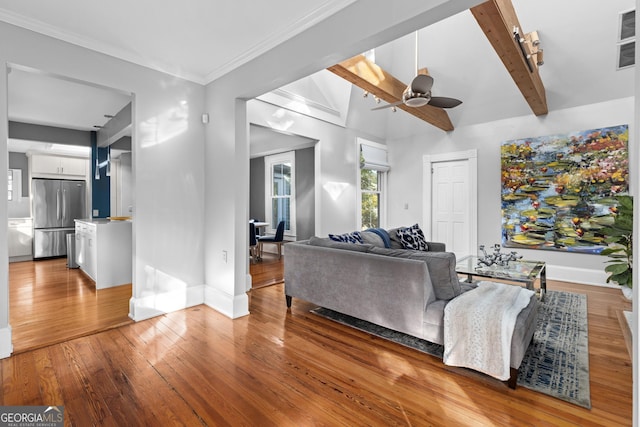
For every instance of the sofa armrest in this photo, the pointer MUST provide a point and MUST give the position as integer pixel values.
(437, 247)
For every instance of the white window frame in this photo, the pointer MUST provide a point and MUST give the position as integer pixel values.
(382, 189)
(269, 161)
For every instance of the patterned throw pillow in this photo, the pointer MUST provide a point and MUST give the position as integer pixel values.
(412, 238)
(354, 237)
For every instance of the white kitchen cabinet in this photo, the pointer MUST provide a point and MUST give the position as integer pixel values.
(103, 251)
(20, 239)
(58, 165)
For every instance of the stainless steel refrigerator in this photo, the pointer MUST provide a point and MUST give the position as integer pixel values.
(56, 203)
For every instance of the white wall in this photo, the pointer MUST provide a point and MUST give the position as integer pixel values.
(405, 178)
(336, 164)
(167, 162)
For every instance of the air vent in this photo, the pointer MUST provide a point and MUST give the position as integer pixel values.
(627, 25)
(626, 40)
(626, 54)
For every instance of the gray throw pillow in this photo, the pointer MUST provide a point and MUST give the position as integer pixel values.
(395, 240)
(372, 239)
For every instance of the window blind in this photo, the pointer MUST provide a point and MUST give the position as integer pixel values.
(373, 158)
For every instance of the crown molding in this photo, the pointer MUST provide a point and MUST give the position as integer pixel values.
(324, 11)
(91, 44)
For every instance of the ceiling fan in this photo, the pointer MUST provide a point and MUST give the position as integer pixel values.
(418, 93)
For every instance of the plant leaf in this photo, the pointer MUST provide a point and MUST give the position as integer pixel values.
(616, 268)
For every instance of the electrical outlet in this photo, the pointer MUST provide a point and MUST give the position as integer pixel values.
(224, 256)
(96, 212)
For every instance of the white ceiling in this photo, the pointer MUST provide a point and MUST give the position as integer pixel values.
(44, 99)
(579, 41)
(199, 40)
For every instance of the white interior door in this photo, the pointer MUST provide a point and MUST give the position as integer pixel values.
(451, 202)
(450, 210)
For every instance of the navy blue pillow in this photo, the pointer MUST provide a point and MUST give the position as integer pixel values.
(413, 238)
(354, 237)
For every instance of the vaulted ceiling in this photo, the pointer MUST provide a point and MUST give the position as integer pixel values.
(516, 49)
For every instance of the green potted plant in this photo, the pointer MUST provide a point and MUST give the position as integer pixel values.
(620, 239)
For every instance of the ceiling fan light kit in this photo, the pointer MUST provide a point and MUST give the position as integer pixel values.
(417, 100)
(418, 93)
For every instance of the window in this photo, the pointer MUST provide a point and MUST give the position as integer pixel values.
(370, 199)
(280, 193)
(373, 180)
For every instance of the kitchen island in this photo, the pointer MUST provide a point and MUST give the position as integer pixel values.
(103, 251)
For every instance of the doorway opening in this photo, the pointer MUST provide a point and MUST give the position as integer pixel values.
(55, 126)
(264, 143)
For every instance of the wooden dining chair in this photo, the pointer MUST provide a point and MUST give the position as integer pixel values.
(278, 239)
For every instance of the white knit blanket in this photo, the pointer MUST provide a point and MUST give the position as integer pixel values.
(478, 327)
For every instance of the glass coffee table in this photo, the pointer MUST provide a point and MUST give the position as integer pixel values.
(520, 271)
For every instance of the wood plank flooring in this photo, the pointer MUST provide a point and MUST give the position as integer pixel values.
(49, 303)
(266, 272)
(279, 367)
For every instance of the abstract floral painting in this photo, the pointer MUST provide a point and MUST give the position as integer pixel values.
(558, 190)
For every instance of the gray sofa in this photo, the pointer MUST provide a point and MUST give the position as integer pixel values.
(400, 289)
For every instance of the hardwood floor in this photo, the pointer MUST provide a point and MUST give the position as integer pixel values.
(49, 303)
(269, 271)
(279, 367)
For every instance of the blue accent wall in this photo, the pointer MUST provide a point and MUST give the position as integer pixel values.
(100, 188)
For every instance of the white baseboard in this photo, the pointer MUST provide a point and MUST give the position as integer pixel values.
(154, 305)
(579, 275)
(6, 347)
(232, 306)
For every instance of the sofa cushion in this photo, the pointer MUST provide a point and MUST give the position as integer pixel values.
(353, 237)
(393, 252)
(441, 267)
(412, 238)
(328, 243)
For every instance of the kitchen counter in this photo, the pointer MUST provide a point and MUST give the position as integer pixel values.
(100, 220)
(104, 252)
(20, 239)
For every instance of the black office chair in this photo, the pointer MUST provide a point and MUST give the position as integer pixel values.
(278, 239)
(253, 243)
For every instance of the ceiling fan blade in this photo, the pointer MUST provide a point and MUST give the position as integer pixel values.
(421, 83)
(444, 102)
(382, 107)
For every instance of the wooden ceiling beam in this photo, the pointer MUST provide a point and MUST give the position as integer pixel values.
(497, 19)
(370, 77)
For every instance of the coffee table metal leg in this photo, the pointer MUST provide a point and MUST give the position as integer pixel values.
(543, 282)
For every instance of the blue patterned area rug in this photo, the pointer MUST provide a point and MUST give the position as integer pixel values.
(556, 363)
